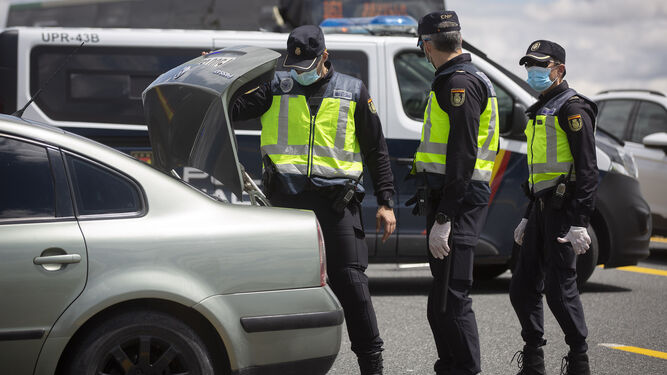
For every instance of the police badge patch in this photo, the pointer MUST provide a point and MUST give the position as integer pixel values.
(458, 97)
(575, 122)
(286, 84)
(371, 106)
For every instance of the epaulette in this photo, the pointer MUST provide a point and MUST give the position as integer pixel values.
(573, 98)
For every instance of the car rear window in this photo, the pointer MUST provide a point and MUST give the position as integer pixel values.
(101, 191)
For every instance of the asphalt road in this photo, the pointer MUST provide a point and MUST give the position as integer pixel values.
(622, 307)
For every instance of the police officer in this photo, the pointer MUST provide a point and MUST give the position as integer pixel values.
(317, 127)
(562, 182)
(453, 165)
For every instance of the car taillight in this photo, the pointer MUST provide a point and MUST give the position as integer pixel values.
(323, 255)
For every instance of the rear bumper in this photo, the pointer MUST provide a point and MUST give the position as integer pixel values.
(627, 218)
(279, 331)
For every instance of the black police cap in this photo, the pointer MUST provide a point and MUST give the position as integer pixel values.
(438, 22)
(543, 51)
(304, 45)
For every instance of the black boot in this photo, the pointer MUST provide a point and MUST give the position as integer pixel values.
(575, 364)
(370, 364)
(530, 361)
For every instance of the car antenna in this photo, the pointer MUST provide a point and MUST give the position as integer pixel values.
(19, 113)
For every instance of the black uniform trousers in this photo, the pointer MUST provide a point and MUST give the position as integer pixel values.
(548, 266)
(455, 331)
(347, 260)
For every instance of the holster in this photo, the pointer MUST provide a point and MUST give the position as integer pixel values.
(344, 196)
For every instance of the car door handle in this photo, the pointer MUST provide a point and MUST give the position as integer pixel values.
(58, 259)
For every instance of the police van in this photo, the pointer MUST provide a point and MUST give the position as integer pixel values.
(92, 80)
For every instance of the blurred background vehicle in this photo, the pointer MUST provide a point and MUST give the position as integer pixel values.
(638, 120)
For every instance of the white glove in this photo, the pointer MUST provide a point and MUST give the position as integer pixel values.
(579, 238)
(519, 231)
(437, 240)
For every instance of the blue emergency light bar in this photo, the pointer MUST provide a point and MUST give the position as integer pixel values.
(378, 25)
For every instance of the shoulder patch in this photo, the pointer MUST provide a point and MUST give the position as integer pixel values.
(575, 122)
(458, 97)
(286, 84)
(371, 106)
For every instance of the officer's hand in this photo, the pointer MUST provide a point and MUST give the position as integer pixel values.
(437, 240)
(204, 53)
(519, 231)
(386, 215)
(579, 238)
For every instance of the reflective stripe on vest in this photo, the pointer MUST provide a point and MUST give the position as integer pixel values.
(548, 154)
(431, 155)
(324, 145)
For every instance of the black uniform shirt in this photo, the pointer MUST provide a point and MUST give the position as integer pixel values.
(368, 129)
(582, 147)
(463, 132)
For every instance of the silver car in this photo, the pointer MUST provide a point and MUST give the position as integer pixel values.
(638, 119)
(111, 266)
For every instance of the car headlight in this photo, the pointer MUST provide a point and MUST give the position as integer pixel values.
(624, 163)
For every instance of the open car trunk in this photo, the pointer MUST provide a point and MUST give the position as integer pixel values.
(188, 108)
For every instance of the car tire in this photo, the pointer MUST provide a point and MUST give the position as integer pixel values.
(587, 262)
(488, 271)
(140, 342)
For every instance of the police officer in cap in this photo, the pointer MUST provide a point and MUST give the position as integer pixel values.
(453, 166)
(318, 126)
(562, 182)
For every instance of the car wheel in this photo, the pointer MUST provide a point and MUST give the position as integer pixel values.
(141, 342)
(488, 271)
(587, 262)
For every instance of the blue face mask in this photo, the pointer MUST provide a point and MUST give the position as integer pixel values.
(538, 78)
(307, 78)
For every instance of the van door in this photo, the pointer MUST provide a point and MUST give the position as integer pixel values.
(409, 78)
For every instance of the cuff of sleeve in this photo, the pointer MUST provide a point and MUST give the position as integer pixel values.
(580, 221)
(448, 208)
(384, 196)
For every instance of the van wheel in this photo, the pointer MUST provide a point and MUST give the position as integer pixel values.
(587, 262)
(488, 271)
(141, 342)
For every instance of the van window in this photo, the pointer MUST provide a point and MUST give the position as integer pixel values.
(415, 74)
(100, 84)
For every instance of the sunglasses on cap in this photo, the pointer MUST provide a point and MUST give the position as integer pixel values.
(541, 64)
(421, 41)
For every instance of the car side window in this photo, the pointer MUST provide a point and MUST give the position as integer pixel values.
(100, 191)
(614, 116)
(651, 118)
(415, 74)
(27, 188)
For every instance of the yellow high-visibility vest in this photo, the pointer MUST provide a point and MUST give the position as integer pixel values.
(322, 144)
(431, 155)
(549, 154)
